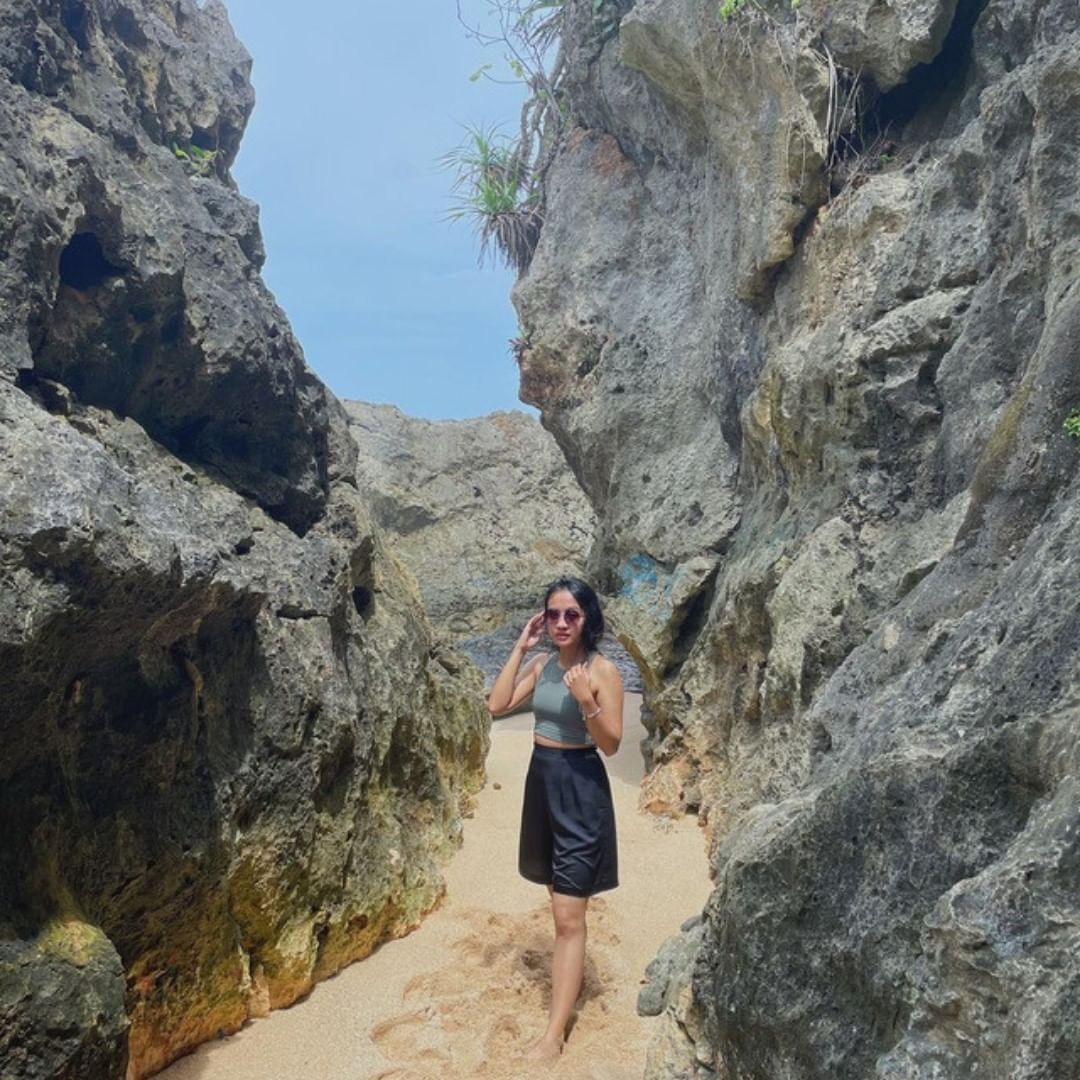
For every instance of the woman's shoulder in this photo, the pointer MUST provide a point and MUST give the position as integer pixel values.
(603, 666)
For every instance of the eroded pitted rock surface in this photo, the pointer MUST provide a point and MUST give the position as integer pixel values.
(233, 758)
(484, 512)
(814, 383)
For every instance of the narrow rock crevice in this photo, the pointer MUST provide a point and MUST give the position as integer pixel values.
(76, 19)
(693, 620)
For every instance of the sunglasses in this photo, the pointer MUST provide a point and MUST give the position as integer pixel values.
(570, 615)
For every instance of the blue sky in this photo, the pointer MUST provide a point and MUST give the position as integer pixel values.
(355, 103)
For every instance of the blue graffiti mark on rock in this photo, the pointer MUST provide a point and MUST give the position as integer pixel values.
(641, 574)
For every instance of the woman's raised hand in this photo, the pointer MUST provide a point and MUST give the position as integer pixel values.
(532, 634)
(577, 681)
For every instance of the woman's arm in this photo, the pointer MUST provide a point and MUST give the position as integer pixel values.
(522, 685)
(512, 686)
(599, 691)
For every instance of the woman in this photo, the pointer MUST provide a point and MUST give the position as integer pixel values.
(567, 819)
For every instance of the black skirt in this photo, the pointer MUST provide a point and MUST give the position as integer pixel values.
(568, 822)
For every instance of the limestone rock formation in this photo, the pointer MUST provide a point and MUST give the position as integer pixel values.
(805, 317)
(666, 977)
(484, 512)
(233, 757)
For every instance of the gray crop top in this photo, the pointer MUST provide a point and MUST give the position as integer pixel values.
(557, 713)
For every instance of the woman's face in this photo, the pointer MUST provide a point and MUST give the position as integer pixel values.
(564, 618)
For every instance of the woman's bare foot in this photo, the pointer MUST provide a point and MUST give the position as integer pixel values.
(544, 1050)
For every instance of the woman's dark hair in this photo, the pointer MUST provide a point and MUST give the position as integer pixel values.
(583, 593)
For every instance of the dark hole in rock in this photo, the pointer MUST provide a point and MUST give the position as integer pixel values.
(335, 777)
(171, 331)
(913, 111)
(83, 264)
(311, 718)
(76, 21)
(588, 364)
(185, 439)
(126, 27)
(927, 374)
(203, 139)
(942, 77)
(245, 816)
(361, 599)
(322, 932)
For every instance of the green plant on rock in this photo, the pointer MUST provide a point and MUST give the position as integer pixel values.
(196, 160)
(730, 8)
(1072, 424)
(529, 33)
(499, 182)
(519, 347)
(493, 192)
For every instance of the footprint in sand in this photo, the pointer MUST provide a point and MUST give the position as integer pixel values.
(415, 1036)
(479, 1014)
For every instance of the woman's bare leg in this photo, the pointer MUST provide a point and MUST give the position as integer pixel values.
(567, 970)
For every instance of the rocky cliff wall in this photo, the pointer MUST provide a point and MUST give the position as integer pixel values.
(233, 758)
(805, 319)
(484, 512)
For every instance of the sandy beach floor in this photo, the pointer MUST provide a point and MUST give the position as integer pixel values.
(466, 993)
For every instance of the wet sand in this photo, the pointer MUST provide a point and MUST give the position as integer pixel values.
(465, 994)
